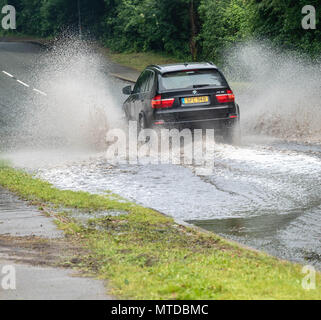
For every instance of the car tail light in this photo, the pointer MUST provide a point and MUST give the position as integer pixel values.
(160, 122)
(159, 103)
(226, 97)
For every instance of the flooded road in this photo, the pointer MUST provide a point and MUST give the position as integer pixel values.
(265, 194)
(258, 195)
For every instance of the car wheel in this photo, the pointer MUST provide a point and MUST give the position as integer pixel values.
(237, 134)
(233, 135)
(142, 123)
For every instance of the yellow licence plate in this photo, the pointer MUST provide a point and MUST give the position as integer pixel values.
(195, 100)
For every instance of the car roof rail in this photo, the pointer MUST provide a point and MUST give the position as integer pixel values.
(155, 66)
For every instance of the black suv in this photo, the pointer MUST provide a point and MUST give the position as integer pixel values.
(194, 95)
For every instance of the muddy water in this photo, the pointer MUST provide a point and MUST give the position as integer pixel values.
(265, 196)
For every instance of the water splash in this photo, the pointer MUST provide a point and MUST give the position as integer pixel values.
(282, 97)
(79, 107)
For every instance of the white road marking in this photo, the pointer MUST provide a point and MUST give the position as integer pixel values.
(43, 93)
(8, 74)
(24, 84)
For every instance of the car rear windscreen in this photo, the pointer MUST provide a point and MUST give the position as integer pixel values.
(191, 79)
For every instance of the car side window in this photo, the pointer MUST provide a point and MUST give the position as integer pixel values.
(150, 82)
(145, 82)
(138, 84)
(141, 82)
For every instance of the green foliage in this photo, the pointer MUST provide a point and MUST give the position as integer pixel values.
(280, 22)
(143, 25)
(181, 28)
(51, 17)
(223, 23)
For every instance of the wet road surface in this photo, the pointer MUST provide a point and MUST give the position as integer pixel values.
(261, 198)
(265, 194)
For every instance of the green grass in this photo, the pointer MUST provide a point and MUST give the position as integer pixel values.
(140, 60)
(15, 36)
(35, 190)
(146, 255)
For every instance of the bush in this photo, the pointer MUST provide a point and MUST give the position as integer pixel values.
(201, 29)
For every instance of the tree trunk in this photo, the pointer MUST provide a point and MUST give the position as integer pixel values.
(193, 46)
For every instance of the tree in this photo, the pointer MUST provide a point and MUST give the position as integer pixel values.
(224, 22)
(280, 22)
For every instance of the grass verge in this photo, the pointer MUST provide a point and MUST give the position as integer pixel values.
(14, 36)
(146, 255)
(140, 60)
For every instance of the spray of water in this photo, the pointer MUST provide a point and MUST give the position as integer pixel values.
(78, 107)
(282, 95)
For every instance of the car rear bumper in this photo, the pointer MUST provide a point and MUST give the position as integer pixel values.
(217, 124)
(212, 117)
